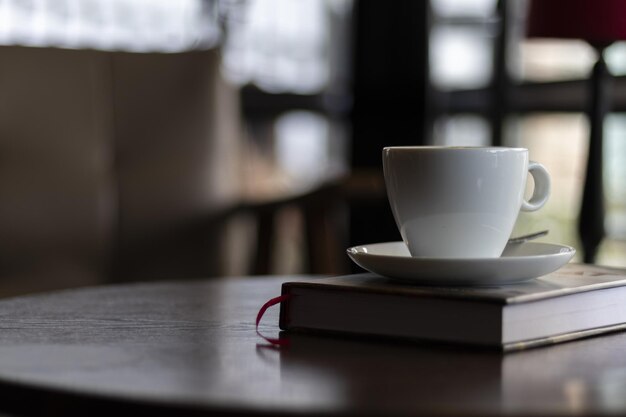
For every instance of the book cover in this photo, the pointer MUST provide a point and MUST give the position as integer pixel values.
(576, 301)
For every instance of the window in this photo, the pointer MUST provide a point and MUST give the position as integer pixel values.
(464, 52)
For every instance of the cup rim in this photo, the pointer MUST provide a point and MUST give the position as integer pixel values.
(456, 148)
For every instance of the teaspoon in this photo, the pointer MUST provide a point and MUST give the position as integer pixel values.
(526, 238)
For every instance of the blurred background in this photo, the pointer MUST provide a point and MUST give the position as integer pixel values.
(151, 139)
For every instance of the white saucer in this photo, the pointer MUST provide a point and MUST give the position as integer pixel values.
(519, 262)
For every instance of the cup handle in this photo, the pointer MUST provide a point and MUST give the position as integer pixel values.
(542, 187)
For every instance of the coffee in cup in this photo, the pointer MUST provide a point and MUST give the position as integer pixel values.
(460, 202)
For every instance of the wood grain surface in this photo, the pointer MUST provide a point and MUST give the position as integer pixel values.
(190, 348)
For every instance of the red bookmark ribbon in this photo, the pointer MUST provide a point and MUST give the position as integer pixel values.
(276, 300)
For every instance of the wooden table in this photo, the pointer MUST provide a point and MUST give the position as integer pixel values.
(191, 348)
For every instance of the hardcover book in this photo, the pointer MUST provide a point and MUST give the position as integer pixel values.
(574, 302)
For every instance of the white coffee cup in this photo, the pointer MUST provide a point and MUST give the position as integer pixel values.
(460, 202)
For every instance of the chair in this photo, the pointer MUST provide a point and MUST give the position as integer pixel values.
(114, 166)
(600, 23)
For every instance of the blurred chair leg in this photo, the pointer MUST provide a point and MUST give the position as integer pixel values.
(591, 220)
(265, 240)
(324, 238)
